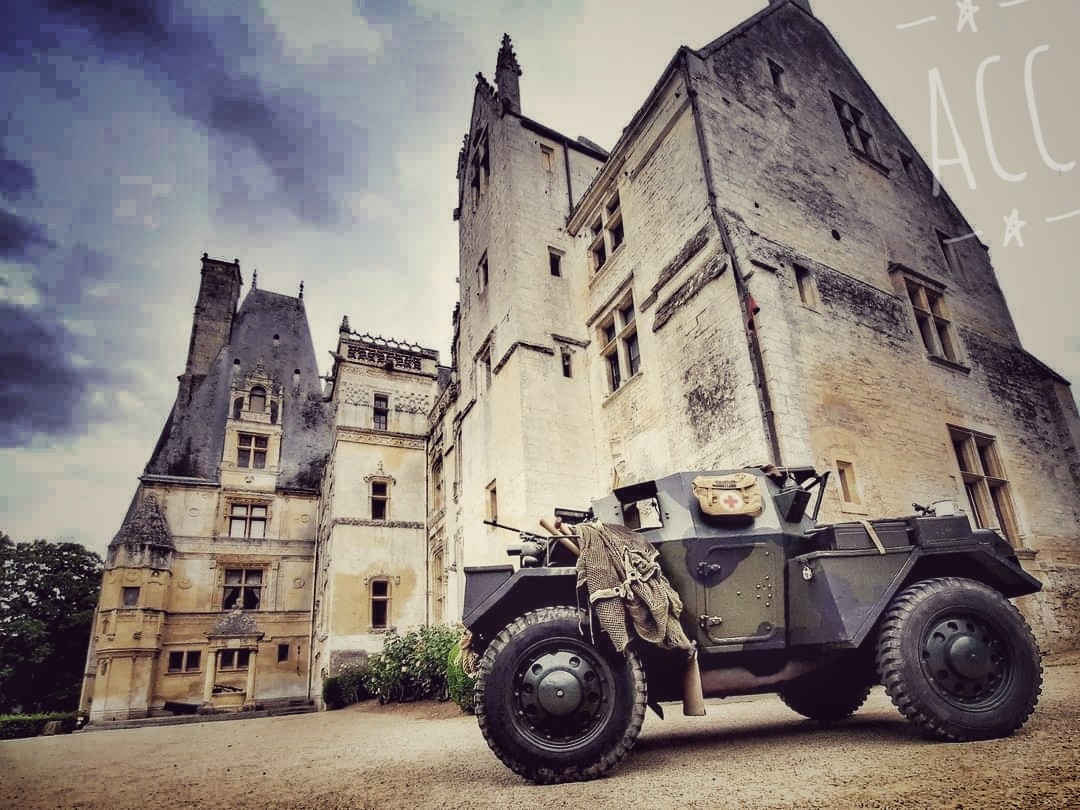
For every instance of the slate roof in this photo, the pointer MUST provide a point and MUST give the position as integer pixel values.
(144, 524)
(193, 437)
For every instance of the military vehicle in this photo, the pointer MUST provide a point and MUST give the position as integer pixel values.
(772, 601)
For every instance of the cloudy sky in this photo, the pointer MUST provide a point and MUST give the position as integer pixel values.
(317, 142)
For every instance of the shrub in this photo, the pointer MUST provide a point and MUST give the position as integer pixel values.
(352, 682)
(13, 726)
(411, 667)
(332, 694)
(459, 684)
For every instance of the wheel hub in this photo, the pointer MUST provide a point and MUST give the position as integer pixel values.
(559, 696)
(965, 660)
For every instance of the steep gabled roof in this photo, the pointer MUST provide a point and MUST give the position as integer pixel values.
(193, 439)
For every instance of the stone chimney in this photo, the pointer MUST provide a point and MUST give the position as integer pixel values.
(211, 326)
(507, 72)
(803, 4)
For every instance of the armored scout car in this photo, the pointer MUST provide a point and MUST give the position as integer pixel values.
(766, 600)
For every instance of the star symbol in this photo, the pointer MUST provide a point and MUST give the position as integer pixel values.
(967, 15)
(1013, 224)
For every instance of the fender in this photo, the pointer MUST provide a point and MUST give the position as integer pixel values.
(835, 598)
(496, 594)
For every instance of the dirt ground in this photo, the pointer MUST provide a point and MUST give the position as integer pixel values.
(747, 753)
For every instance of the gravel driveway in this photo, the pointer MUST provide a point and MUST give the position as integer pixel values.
(747, 753)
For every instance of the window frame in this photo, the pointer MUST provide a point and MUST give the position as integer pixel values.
(239, 660)
(985, 484)
(620, 348)
(380, 411)
(190, 661)
(249, 446)
(855, 126)
(380, 603)
(607, 232)
(243, 588)
(247, 518)
(381, 498)
(933, 320)
(806, 286)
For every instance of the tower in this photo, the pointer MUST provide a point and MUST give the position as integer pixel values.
(130, 619)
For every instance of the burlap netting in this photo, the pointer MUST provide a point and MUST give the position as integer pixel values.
(620, 572)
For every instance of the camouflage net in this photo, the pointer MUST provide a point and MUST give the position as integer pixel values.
(624, 581)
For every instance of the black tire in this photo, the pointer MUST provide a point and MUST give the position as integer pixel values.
(554, 707)
(828, 694)
(958, 660)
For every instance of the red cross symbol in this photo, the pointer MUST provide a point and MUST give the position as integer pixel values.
(731, 501)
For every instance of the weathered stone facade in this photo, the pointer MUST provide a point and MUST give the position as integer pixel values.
(758, 272)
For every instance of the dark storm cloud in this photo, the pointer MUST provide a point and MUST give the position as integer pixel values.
(16, 179)
(19, 235)
(41, 392)
(302, 146)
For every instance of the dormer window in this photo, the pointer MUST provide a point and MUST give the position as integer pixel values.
(257, 399)
(251, 451)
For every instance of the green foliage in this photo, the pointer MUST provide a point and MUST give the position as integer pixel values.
(459, 684)
(411, 667)
(353, 681)
(13, 726)
(331, 693)
(48, 593)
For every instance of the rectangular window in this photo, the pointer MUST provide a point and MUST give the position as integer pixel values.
(951, 253)
(547, 158)
(184, 660)
(282, 653)
(619, 343)
(932, 317)
(908, 164)
(856, 129)
(776, 73)
(807, 285)
(482, 274)
(131, 597)
(607, 232)
(567, 363)
(243, 589)
(985, 482)
(484, 370)
(233, 660)
(248, 520)
(380, 604)
(381, 411)
(849, 491)
(380, 500)
(555, 262)
(492, 502)
(251, 451)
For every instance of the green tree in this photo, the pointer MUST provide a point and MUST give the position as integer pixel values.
(48, 592)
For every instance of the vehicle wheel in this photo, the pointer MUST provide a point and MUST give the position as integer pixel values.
(828, 694)
(552, 706)
(959, 660)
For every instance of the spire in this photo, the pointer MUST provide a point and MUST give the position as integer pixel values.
(507, 71)
(254, 278)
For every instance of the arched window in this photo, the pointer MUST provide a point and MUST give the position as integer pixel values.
(257, 399)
